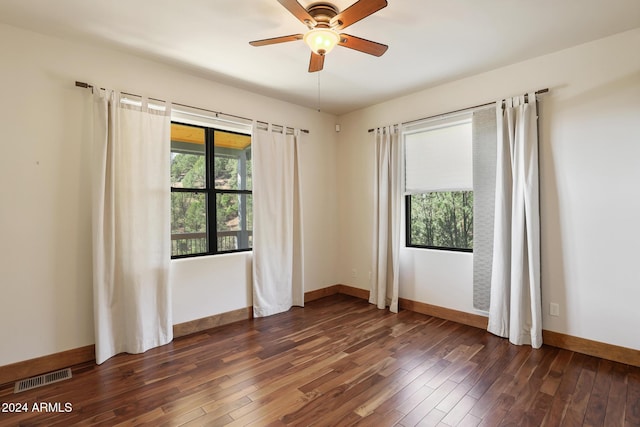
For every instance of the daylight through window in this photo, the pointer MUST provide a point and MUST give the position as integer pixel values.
(211, 204)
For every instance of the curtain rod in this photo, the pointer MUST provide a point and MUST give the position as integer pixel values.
(88, 86)
(538, 92)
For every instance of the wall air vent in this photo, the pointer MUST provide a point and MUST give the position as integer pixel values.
(42, 380)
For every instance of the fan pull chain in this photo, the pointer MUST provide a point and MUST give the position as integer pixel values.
(318, 73)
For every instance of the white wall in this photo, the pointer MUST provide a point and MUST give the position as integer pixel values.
(590, 192)
(45, 243)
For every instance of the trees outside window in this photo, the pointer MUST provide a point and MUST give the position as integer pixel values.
(440, 220)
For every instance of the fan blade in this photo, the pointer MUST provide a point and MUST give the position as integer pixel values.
(283, 39)
(299, 12)
(357, 11)
(363, 45)
(316, 63)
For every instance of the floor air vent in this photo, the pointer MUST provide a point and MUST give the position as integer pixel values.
(41, 380)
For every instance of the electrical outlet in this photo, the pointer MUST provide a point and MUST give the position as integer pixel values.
(354, 273)
(554, 309)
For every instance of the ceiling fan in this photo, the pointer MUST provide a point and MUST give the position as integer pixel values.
(324, 20)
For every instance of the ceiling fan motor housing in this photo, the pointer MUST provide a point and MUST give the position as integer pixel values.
(322, 13)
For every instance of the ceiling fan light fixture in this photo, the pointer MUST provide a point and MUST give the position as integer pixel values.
(321, 40)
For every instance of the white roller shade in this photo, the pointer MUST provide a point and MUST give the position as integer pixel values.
(197, 117)
(438, 157)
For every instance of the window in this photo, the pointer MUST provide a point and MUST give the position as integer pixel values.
(440, 220)
(438, 185)
(211, 204)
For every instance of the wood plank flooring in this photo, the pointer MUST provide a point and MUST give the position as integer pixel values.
(337, 362)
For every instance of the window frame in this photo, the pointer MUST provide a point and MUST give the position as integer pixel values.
(211, 192)
(438, 122)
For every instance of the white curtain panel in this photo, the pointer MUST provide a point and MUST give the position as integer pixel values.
(277, 229)
(386, 219)
(131, 226)
(515, 306)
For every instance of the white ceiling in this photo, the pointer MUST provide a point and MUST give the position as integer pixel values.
(430, 41)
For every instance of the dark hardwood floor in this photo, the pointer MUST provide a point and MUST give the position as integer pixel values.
(340, 361)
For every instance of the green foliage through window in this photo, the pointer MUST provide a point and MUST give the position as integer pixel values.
(440, 220)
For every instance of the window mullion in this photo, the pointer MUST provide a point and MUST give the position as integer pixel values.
(212, 214)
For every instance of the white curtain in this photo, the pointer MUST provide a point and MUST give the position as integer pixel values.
(131, 226)
(386, 219)
(515, 306)
(277, 229)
